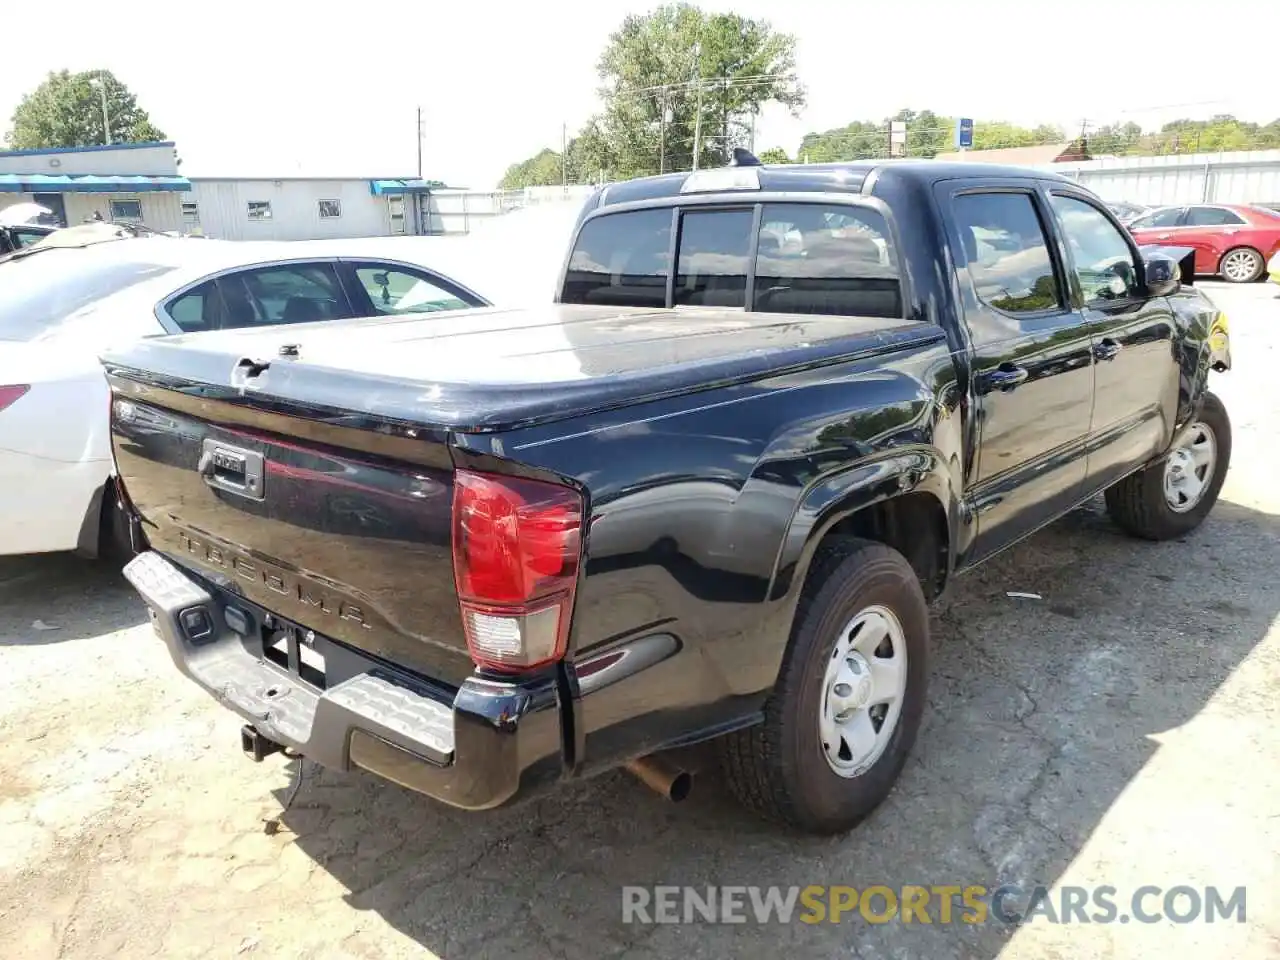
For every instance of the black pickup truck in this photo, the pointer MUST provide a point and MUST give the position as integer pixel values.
(707, 494)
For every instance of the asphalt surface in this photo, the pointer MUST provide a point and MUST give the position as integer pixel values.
(1119, 730)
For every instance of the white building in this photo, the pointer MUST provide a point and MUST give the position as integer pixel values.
(135, 182)
(140, 183)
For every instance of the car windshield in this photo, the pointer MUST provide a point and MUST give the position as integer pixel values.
(43, 290)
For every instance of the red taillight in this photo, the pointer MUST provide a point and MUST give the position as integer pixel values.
(8, 394)
(516, 546)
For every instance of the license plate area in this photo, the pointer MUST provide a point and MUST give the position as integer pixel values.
(295, 649)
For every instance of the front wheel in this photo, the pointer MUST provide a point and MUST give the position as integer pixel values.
(849, 698)
(1241, 265)
(1172, 496)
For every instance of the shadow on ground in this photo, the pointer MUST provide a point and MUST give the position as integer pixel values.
(1042, 712)
(52, 598)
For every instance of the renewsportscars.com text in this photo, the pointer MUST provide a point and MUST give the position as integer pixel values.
(936, 904)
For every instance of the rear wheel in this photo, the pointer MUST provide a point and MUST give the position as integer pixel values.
(849, 699)
(1172, 496)
(1241, 265)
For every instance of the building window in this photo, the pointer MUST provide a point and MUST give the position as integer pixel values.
(259, 210)
(127, 210)
(396, 205)
(330, 209)
(190, 213)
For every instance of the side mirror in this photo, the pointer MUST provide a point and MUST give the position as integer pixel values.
(1163, 276)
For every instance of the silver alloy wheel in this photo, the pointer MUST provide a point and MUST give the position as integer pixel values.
(862, 691)
(1188, 469)
(1240, 266)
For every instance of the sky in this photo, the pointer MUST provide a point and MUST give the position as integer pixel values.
(284, 88)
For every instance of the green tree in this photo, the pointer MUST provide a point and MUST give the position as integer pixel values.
(774, 155)
(676, 75)
(66, 111)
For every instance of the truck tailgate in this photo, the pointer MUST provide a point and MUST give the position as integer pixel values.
(289, 514)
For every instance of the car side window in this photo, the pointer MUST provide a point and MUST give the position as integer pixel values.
(1103, 261)
(200, 308)
(1168, 217)
(1007, 254)
(25, 238)
(1212, 217)
(394, 289)
(282, 293)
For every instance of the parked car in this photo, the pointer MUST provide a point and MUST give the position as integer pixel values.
(1232, 241)
(21, 225)
(1273, 268)
(88, 288)
(1125, 211)
(706, 495)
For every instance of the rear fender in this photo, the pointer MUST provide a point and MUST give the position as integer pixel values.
(838, 497)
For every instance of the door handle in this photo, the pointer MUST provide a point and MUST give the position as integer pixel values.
(1007, 376)
(1106, 349)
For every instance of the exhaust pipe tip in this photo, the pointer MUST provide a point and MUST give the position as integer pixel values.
(670, 782)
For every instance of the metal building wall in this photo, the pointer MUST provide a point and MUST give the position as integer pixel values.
(223, 207)
(1250, 176)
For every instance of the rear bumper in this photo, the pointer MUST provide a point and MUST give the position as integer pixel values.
(47, 501)
(479, 750)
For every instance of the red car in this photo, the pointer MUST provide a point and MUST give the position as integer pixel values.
(1234, 241)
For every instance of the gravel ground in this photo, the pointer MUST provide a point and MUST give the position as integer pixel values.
(1121, 730)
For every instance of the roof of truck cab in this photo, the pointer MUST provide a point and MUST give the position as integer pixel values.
(848, 177)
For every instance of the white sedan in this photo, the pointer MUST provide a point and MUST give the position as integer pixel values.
(60, 307)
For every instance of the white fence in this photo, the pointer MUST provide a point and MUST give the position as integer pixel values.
(1249, 176)
(459, 211)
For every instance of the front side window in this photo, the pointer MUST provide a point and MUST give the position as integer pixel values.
(825, 259)
(286, 293)
(621, 260)
(1168, 217)
(128, 211)
(397, 290)
(259, 209)
(1212, 217)
(1006, 250)
(1103, 261)
(715, 247)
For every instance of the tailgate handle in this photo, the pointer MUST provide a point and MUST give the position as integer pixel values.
(232, 469)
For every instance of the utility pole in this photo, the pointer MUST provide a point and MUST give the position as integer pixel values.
(697, 120)
(662, 135)
(419, 143)
(564, 157)
(106, 118)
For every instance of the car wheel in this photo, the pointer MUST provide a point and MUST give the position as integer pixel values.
(1172, 496)
(849, 697)
(1241, 265)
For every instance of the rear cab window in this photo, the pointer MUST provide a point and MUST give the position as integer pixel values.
(803, 257)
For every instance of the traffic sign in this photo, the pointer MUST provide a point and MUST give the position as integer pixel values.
(964, 133)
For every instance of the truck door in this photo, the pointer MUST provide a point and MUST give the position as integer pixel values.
(1136, 369)
(1032, 362)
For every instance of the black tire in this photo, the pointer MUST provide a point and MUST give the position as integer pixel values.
(1137, 503)
(114, 545)
(1258, 265)
(778, 768)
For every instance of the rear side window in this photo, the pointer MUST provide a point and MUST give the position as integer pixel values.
(621, 260)
(1006, 251)
(288, 293)
(1168, 217)
(824, 259)
(44, 290)
(1212, 217)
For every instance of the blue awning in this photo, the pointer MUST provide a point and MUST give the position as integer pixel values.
(380, 187)
(62, 183)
